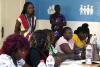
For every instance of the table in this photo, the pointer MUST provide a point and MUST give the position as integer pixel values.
(81, 65)
(78, 63)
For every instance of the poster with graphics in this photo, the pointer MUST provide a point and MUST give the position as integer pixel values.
(84, 10)
(76, 12)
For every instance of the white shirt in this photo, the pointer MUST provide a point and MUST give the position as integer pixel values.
(61, 41)
(6, 61)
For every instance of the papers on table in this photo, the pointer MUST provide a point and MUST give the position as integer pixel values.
(75, 63)
(72, 65)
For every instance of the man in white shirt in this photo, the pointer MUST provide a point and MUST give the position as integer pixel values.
(65, 44)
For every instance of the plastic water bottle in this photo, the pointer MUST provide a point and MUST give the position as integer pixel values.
(89, 54)
(93, 39)
(50, 61)
(41, 64)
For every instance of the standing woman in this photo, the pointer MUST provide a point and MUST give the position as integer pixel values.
(26, 22)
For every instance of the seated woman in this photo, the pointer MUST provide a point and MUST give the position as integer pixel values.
(14, 51)
(38, 49)
(87, 32)
(51, 41)
(65, 44)
(79, 37)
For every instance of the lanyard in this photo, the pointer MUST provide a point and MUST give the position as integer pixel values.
(29, 20)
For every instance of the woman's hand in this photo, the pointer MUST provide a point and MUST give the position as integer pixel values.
(26, 65)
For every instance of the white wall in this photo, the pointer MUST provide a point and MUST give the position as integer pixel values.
(0, 21)
(10, 10)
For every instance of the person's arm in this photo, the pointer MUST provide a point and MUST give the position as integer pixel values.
(34, 24)
(66, 49)
(77, 50)
(26, 65)
(63, 23)
(17, 27)
(69, 53)
(89, 37)
(52, 21)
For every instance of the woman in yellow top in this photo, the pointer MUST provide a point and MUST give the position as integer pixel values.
(79, 37)
(78, 42)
